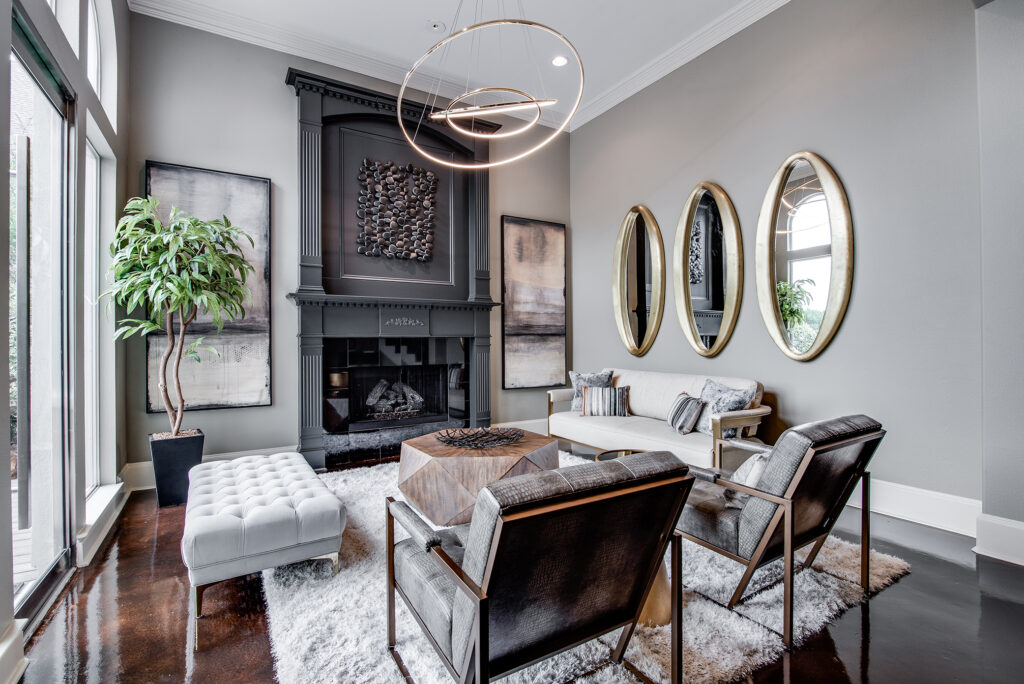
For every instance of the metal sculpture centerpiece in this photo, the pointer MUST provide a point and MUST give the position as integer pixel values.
(495, 71)
(479, 438)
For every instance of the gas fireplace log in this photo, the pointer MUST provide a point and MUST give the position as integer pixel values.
(377, 392)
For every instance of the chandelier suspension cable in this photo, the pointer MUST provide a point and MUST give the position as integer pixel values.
(496, 83)
(433, 94)
(531, 51)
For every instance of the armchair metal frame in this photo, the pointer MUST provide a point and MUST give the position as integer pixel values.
(784, 516)
(477, 667)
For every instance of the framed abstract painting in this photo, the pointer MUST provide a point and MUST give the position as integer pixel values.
(533, 303)
(240, 375)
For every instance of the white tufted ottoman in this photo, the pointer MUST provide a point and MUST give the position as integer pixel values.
(254, 513)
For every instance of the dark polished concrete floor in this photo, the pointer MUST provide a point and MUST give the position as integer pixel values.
(124, 618)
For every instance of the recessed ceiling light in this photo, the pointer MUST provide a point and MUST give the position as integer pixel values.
(559, 61)
(436, 26)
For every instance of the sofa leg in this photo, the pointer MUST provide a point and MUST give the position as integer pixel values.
(865, 532)
(197, 601)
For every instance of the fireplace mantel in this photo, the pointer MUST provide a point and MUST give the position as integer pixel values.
(334, 304)
(327, 300)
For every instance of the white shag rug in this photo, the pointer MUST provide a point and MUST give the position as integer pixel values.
(332, 628)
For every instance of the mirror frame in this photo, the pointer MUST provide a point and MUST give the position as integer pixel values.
(841, 282)
(619, 290)
(733, 268)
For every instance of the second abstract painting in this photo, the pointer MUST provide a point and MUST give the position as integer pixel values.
(533, 303)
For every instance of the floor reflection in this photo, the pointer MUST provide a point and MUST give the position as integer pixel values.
(125, 617)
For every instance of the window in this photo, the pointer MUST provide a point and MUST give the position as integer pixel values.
(36, 351)
(91, 311)
(92, 52)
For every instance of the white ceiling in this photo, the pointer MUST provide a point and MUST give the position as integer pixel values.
(625, 45)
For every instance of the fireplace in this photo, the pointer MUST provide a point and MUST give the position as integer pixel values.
(389, 348)
(395, 387)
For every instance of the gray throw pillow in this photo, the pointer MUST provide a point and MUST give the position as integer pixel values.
(718, 398)
(684, 413)
(749, 474)
(581, 380)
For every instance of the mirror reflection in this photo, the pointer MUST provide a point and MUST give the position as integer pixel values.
(706, 270)
(803, 256)
(639, 282)
(638, 288)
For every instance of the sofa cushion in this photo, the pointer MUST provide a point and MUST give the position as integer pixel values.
(605, 401)
(651, 393)
(685, 412)
(581, 380)
(255, 506)
(631, 432)
(719, 398)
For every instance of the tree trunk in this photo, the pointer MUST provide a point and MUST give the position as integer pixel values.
(176, 426)
(164, 394)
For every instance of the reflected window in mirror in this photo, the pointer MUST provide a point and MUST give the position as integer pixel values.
(803, 256)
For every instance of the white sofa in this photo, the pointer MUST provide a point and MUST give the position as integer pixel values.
(651, 395)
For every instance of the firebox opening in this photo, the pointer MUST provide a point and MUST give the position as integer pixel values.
(376, 383)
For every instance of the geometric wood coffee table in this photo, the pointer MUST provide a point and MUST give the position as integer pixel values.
(443, 481)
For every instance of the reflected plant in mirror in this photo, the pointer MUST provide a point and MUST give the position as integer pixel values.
(805, 256)
(708, 275)
(638, 285)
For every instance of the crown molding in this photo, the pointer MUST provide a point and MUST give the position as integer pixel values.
(203, 16)
(689, 49)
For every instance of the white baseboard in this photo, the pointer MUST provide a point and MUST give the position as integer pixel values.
(1000, 538)
(948, 512)
(12, 654)
(538, 425)
(102, 509)
(138, 476)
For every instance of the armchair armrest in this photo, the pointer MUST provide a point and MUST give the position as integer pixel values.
(422, 533)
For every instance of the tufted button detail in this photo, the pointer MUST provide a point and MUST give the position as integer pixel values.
(256, 505)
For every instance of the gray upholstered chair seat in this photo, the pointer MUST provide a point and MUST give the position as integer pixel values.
(706, 517)
(427, 587)
(550, 559)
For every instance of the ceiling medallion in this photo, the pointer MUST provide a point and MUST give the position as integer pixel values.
(482, 103)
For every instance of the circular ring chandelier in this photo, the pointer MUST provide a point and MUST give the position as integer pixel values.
(461, 107)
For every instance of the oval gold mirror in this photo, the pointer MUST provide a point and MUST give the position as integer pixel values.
(804, 259)
(708, 269)
(638, 285)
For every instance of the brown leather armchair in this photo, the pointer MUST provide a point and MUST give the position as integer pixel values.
(810, 474)
(550, 560)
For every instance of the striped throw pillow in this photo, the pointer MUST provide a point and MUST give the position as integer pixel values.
(605, 401)
(685, 412)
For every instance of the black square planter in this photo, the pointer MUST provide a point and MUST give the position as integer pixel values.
(172, 459)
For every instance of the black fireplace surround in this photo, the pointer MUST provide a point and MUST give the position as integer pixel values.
(386, 352)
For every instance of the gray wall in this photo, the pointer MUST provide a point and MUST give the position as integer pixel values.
(886, 92)
(536, 187)
(203, 100)
(1001, 112)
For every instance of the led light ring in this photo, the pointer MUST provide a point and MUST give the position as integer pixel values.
(469, 29)
(492, 89)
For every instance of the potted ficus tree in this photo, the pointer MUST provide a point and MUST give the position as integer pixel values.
(165, 275)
